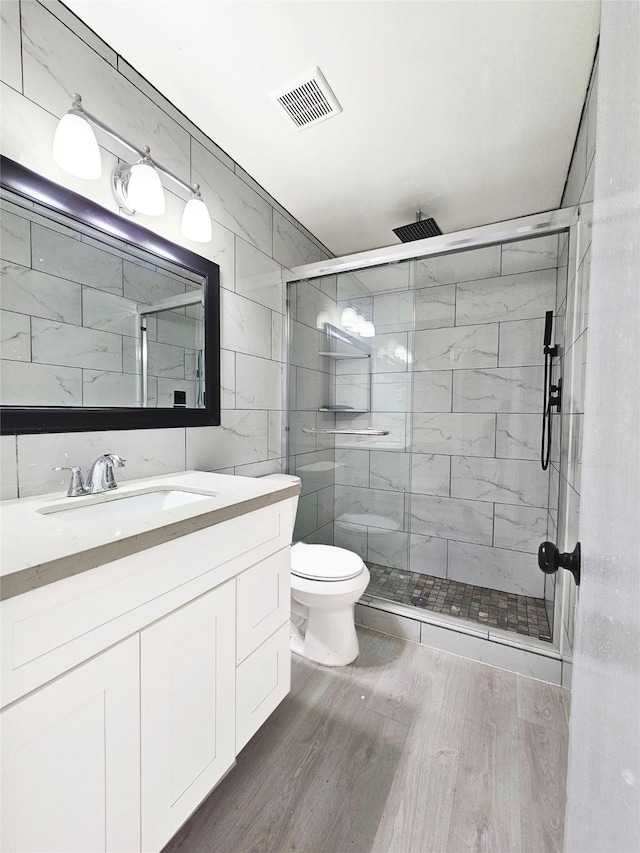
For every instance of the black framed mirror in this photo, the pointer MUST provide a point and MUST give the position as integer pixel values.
(106, 325)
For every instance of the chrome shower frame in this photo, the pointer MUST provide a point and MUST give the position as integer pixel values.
(536, 225)
(522, 228)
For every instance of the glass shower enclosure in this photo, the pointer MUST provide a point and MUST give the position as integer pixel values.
(415, 396)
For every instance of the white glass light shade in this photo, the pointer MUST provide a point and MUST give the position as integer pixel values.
(349, 318)
(75, 147)
(196, 222)
(361, 328)
(368, 330)
(144, 190)
(322, 319)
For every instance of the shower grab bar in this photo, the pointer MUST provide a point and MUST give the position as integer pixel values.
(346, 431)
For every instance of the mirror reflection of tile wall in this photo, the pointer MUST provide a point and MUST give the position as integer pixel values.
(70, 323)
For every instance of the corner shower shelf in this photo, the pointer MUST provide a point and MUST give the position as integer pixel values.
(334, 333)
(359, 349)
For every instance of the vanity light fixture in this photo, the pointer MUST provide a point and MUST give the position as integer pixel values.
(353, 321)
(75, 147)
(196, 222)
(137, 187)
(349, 318)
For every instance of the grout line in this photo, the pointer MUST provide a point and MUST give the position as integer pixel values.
(16, 459)
(185, 449)
(21, 48)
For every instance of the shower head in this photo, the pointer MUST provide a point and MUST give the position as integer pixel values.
(417, 230)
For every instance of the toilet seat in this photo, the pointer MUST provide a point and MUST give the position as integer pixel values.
(325, 563)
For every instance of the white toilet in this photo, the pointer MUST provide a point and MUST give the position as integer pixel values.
(326, 582)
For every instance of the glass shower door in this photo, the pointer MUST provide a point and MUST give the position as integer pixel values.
(449, 504)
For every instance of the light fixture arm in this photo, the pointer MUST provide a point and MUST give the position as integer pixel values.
(141, 152)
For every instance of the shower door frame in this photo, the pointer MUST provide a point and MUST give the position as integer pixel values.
(544, 224)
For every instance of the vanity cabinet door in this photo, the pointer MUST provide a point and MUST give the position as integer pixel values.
(262, 682)
(188, 710)
(70, 760)
(264, 602)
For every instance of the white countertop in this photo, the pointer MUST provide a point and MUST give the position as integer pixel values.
(40, 547)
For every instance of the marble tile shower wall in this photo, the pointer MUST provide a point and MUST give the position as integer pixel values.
(47, 54)
(456, 489)
(574, 304)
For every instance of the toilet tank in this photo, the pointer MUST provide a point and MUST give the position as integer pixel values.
(286, 478)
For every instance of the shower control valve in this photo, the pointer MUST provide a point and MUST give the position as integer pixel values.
(555, 396)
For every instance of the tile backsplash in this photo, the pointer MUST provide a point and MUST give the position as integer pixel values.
(47, 55)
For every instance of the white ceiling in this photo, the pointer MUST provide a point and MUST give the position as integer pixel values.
(467, 110)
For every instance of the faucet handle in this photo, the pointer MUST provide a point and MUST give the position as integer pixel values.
(76, 485)
(116, 462)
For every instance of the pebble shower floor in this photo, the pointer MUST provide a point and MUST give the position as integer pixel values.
(520, 614)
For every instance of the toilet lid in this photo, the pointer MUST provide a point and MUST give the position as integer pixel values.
(324, 562)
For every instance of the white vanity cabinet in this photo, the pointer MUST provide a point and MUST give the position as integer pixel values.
(263, 654)
(130, 688)
(70, 760)
(187, 693)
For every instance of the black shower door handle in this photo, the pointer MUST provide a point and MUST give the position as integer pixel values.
(550, 560)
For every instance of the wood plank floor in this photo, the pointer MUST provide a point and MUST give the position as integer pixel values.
(408, 750)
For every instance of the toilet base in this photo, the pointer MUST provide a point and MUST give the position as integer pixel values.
(329, 639)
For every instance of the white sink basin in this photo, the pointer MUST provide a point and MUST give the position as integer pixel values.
(126, 504)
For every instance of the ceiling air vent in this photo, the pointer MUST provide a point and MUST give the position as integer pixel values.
(307, 100)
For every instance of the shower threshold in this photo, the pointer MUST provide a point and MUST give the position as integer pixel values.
(519, 614)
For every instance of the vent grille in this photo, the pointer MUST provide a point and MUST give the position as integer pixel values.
(307, 100)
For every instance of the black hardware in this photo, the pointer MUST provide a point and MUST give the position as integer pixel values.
(555, 402)
(551, 394)
(548, 326)
(550, 560)
(419, 230)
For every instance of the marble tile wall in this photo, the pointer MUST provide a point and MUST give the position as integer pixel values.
(573, 308)
(456, 489)
(47, 54)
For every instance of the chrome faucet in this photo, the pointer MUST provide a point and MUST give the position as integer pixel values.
(101, 477)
